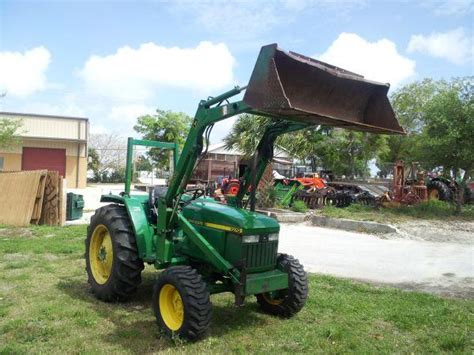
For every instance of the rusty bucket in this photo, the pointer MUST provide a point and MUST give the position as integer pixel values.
(288, 85)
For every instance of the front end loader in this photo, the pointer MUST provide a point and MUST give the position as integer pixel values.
(205, 247)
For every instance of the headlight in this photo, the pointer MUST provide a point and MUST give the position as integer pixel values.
(272, 237)
(250, 238)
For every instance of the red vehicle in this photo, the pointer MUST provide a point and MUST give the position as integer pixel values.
(230, 186)
(312, 181)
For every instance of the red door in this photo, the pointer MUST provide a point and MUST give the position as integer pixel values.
(44, 158)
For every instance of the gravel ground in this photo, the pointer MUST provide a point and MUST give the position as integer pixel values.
(444, 268)
(461, 232)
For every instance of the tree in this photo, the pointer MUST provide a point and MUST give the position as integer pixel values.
(164, 126)
(246, 133)
(111, 150)
(344, 152)
(447, 139)
(93, 162)
(143, 163)
(9, 130)
(438, 118)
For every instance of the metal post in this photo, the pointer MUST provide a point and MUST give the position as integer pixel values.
(253, 182)
(128, 167)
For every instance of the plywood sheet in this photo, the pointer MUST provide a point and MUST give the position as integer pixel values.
(62, 201)
(38, 206)
(18, 193)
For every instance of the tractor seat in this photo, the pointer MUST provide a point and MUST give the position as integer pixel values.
(155, 193)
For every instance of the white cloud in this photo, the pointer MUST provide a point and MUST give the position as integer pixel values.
(133, 74)
(22, 74)
(379, 61)
(450, 7)
(454, 46)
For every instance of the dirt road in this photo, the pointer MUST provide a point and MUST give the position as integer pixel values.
(439, 267)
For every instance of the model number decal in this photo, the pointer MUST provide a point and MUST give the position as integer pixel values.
(218, 226)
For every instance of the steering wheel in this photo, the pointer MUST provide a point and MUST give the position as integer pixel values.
(198, 192)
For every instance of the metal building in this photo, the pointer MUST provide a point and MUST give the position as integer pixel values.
(222, 161)
(49, 142)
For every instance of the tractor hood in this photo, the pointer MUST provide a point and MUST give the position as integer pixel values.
(219, 216)
(291, 86)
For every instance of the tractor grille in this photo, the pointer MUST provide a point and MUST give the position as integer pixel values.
(260, 255)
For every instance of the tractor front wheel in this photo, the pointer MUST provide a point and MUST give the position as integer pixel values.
(112, 262)
(287, 303)
(181, 303)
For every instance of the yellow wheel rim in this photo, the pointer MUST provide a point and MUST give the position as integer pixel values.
(272, 301)
(434, 194)
(171, 307)
(101, 254)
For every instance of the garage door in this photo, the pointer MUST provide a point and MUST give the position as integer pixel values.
(44, 158)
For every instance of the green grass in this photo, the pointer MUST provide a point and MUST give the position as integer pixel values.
(46, 307)
(299, 206)
(427, 210)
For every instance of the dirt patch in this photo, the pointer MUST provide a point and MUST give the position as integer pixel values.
(16, 232)
(461, 232)
(454, 287)
(15, 257)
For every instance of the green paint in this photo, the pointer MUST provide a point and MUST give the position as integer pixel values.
(204, 229)
(266, 281)
(145, 143)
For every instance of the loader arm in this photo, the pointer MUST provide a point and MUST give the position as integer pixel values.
(208, 113)
(263, 157)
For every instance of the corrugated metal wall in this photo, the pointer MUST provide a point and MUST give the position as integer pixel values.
(46, 127)
(71, 147)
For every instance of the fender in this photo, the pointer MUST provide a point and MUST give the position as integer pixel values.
(144, 232)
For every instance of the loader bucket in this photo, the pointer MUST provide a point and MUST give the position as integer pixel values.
(288, 85)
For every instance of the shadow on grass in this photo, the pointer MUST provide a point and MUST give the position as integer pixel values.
(135, 325)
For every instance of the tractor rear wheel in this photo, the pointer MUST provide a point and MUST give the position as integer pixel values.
(181, 303)
(438, 190)
(287, 303)
(112, 262)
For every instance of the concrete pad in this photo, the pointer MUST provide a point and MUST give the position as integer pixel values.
(441, 268)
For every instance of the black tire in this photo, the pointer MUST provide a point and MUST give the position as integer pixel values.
(438, 190)
(126, 266)
(290, 301)
(468, 195)
(196, 305)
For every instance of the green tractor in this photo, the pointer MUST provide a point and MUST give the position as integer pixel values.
(205, 247)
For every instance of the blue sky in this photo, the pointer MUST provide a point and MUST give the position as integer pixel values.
(111, 61)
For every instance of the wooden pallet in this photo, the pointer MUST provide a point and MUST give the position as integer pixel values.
(50, 213)
(38, 206)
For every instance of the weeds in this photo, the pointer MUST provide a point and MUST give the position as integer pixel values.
(299, 206)
(424, 210)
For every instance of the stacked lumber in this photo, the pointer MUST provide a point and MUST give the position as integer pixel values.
(32, 197)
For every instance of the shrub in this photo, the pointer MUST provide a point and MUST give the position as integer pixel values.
(299, 206)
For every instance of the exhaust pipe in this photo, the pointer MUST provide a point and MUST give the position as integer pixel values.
(291, 86)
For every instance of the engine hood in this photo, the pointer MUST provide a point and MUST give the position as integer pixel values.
(219, 216)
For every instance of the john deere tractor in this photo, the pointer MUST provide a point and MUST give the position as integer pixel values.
(205, 247)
